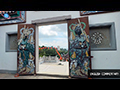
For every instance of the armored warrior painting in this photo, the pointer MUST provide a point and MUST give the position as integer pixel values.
(26, 51)
(79, 49)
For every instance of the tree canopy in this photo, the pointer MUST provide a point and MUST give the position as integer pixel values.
(51, 52)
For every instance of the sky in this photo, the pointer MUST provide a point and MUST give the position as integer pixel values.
(54, 35)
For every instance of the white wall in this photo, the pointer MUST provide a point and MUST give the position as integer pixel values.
(107, 59)
(101, 60)
(8, 60)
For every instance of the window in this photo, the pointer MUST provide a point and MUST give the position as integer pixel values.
(102, 36)
(11, 42)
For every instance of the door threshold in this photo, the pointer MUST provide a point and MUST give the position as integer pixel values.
(52, 75)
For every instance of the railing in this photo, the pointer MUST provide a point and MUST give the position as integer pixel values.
(48, 59)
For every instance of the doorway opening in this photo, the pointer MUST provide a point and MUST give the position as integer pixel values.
(53, 49)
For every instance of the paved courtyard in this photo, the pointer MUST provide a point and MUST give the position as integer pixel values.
(54, 68)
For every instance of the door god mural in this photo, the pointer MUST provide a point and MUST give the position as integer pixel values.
(79, 48)
(26, 49)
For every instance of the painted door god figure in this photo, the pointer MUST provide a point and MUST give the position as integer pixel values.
(26, 50)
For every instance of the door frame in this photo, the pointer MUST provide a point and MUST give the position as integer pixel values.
(42, 22)
(37, 45)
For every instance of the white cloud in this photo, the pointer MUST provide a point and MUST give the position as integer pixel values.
(53, 35)
(52, 30)
(62, 42)
(48, 31)
(65, 34)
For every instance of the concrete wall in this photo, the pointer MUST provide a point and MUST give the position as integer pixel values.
(107, 59)
(101, 60)
(8, 60)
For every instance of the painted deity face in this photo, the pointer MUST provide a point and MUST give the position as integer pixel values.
(78, 30)
(26, 32)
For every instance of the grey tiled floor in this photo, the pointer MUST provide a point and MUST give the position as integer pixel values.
(46, 68)
(11, 76)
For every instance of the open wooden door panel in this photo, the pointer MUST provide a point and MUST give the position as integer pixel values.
(26, 49)
(79, 47)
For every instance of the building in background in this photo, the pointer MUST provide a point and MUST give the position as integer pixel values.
(58, 47)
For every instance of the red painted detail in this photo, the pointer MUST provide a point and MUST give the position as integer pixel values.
(16, 75)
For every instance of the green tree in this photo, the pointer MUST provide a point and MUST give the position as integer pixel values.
(50, 52)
